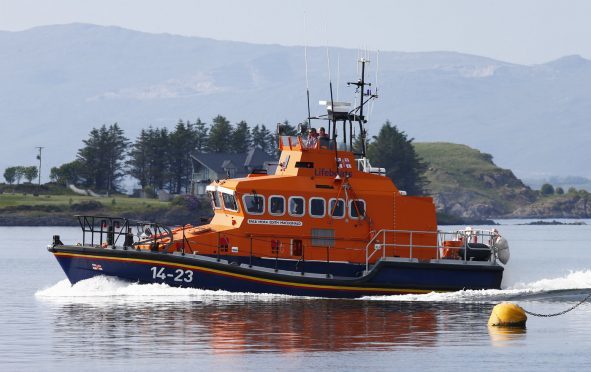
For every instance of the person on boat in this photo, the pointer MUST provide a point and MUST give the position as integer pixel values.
(323, 138)
(312, 140)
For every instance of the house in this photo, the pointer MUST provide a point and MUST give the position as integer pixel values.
(217, 166)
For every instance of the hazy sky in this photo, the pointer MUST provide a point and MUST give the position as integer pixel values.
(520, 31)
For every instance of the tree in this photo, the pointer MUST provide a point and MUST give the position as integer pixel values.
(10, 175)
(149, 158)
(201, 136)
(241, 138)
(102, 158)
(219, 135)
(547, 189)
(391, 149)
(559, 191)
(19, 173)
(182, 143)
(358, 142)
(30, 173)
(66, 174)
(264, 139)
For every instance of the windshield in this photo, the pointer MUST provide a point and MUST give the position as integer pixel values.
(229, 202)
(215, 199)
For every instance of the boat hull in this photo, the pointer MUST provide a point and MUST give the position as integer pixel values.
(387, 277)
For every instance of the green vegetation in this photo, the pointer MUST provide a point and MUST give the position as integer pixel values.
(12, 174)
(57, 206)
(391, 149)
(547, 189)
(468, 178)
(466, 183)
(15, 202)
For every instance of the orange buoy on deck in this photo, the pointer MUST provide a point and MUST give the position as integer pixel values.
(507, 314)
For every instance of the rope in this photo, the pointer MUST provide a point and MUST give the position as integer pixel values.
(561, 312)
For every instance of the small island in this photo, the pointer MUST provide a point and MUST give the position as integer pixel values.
(553, 222)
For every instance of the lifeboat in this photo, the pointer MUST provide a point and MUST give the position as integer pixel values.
(325, 223)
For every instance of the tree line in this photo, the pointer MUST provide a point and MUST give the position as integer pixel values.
(159, 158)
(16, 174)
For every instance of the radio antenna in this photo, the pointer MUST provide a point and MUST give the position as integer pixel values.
(306, 63)
(338, 74)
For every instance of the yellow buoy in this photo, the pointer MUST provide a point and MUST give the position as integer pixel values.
(507, 314)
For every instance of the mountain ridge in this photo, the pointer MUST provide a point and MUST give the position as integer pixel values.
(70, 78)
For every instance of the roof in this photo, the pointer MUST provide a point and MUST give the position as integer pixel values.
(253, 159)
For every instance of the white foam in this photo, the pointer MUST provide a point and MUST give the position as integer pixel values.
(573, 280)
(103, 289)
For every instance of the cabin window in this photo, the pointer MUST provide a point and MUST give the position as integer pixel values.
(215, 199)
(323, 237)
(277, 205)
(357, 208)
(254, 204)
(297, 206)
(336, 208)
(230, 202)
(317, 207)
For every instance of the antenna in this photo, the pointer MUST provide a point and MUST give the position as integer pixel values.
(306, 62)
(334, 120)
(376, 80)
(334, 134)
(338, 74)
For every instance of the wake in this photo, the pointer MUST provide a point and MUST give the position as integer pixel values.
(103, 289)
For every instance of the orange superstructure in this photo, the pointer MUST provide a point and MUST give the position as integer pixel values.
(318, 206)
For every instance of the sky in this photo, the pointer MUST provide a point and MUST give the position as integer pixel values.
(518, 31)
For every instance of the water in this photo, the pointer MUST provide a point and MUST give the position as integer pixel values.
(103, 323)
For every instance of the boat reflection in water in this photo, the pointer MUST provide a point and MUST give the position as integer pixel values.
(251, 326)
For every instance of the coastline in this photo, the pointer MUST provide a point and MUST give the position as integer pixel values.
(176, 218)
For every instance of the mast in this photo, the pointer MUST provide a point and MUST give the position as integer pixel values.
(360, 84)
(341, 112)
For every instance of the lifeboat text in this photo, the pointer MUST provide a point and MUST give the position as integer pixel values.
(253, 221)
(325, 172)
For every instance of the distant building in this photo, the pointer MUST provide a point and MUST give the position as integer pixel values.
(218, 166)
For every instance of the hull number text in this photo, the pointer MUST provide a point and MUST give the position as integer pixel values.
(178, 275)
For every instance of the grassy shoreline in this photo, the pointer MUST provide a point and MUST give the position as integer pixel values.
(58, 207)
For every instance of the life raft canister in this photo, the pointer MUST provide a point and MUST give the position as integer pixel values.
(451, 249)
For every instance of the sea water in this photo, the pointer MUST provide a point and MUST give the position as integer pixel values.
(106, 324)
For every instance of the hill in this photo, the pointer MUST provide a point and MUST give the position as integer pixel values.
(465, 182)
(69, 78)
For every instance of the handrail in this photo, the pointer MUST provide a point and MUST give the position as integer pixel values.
(468, 239)
(112, 228)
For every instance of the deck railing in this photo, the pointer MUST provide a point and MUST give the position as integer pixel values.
(107, 231)
(466, 245)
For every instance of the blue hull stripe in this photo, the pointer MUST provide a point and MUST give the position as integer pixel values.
(240, 276)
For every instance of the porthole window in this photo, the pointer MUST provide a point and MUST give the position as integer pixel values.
(336, 208)
(230, 202)
(277, 205)
(357, 208)
(297, 206)
(317, 207)
(254, 203)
